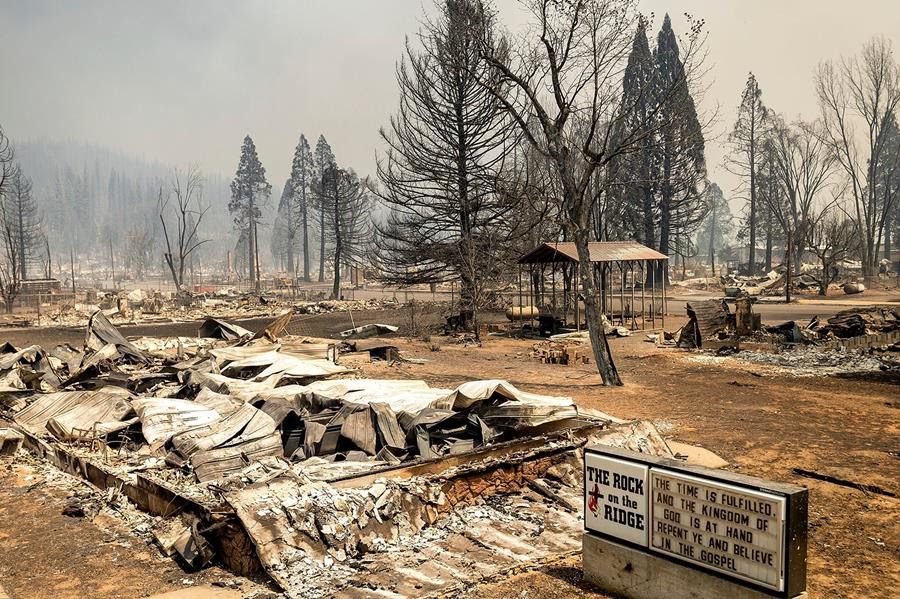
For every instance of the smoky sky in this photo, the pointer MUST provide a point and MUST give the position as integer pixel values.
(183, 82)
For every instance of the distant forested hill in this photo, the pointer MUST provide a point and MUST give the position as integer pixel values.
(88, 193)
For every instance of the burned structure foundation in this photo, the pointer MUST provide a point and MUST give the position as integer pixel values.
(260, 452)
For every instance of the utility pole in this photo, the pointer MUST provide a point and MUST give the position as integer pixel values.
(72, 266)
(787, 273)
(112, 264)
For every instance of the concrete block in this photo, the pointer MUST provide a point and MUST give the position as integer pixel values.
(635, 574)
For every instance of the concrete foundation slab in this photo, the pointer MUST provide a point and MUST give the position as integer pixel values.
(635, 574)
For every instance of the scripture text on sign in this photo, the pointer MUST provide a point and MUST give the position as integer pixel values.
(616, 498)
(727, 528)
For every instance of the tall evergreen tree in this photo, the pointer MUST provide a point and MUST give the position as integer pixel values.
(447, 146)
(682, 181)
(661, 182)
(347, 222)
(887, 183)
(635, 173)
(323, 160)
(249, 190)
(717, 225)
(283, 231)
(21, 235)
(746, 141)
(302, 175)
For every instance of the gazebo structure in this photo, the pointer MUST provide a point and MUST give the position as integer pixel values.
(630, 281)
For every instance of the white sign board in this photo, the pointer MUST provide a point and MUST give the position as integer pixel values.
(615, 498)
(723, 527)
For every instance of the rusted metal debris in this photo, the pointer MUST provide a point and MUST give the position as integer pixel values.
(255, 451)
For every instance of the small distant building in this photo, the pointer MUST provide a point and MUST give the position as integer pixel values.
(41, 286)
(36, 291)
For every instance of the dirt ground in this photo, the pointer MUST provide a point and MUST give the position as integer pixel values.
(763, 423)
(45, 553)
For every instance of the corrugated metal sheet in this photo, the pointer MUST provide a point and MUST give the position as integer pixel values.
(601, 251)
(711, 317)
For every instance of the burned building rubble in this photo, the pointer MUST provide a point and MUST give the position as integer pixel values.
(852, 341)
(263, 452)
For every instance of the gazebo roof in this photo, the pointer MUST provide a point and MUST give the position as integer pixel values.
(600, 251)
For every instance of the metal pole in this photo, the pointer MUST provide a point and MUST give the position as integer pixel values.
(663, 317)
(72, 266)
(609, 292)
(553, 286)
(531, 294)
(643, 284)
(622, 293)
(519, 272)
(633, 317)
(602, 270)
(575, 296)
(653, 294)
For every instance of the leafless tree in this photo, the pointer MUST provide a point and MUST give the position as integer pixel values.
(6, 161)
(833, 238)
(10, 275)
(803, 167)
(181, 220)
(139, 244)
(566, 89)
(858, 97)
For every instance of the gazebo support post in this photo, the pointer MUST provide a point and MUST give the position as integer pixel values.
(633, 316)
(643, 285)
(665, 272)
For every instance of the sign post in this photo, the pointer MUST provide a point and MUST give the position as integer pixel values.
(689, 528)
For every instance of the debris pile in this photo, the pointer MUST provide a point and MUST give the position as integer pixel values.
(738, 286)
(772, 283)
(567, 353)
(853, 341)
(813, 361)
(870, 320)
(149, 306)
(261, 449)
(236, 398)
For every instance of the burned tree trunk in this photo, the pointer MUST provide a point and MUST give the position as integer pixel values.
(599, 343)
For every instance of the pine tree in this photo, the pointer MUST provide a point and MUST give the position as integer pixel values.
(302, 175)
(324, 159)
(249, 190)
(717, 225)
(447, 147)
(347, 222)
(887, 184)
(635, 173)
(682, 164)
(21, 234)
(283, 230)
(744, 161)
